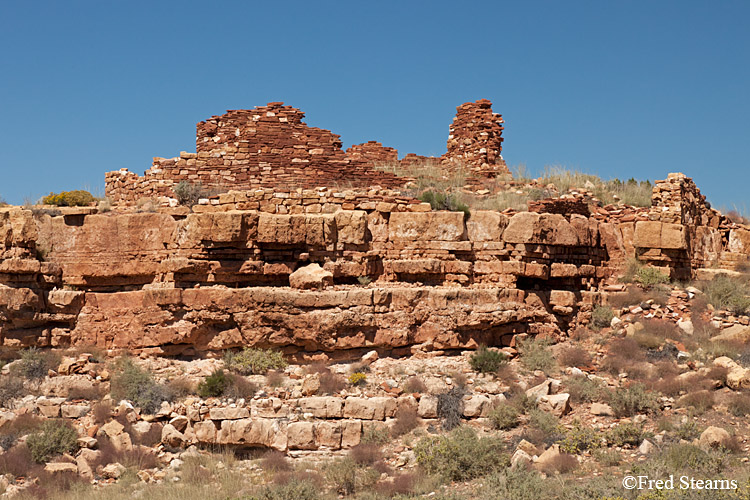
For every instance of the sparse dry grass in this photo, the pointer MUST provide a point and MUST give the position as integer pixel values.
(431, 176)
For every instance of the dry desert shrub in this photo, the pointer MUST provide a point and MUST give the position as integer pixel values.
(730, 293)
(181, 387)
(632, 296)
(102, 411)
(699, 401)
(366, 453)
(504, 417)
(450, 407)
(561, 464)
(11, 388)
(739, 404)
(330, 383)
(401, 485)
(17, 462)
(536, 354)
(583, 389)
(574, 356)
(407, 419)
(275, 378)
(414, 385)
(631, 400)
(275, 461)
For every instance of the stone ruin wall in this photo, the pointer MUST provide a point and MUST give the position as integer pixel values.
(268, 146)
(271, 147)
(476, 140)
(683, 233)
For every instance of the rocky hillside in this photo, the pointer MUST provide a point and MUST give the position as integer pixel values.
(368, 343)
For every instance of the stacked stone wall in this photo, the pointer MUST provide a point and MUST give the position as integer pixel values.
(476, 140)
(268, 146)
(271, 147)
(373, 153)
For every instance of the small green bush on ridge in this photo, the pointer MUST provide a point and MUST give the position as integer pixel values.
(252, 361)
(54, 438)
(461, 455)
(486, 361)
(137, 385)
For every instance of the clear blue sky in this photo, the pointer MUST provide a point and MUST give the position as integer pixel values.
(620, 89)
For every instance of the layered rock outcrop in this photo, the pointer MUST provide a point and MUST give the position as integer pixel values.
(179, 282)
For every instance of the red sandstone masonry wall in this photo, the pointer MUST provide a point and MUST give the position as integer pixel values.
(270, 146)
(476, 139)
(373, 153)
(246, 149)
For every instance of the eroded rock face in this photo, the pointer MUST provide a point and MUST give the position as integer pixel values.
(387, 274)
(214, 318)
(209, 281)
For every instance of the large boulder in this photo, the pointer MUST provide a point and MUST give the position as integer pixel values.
(556, 404)
(310, 277)
(737, 376)
(714, 437)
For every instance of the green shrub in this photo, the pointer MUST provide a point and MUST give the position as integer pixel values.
(487, 361)
(629, 401)
(364, 280)
(137, 385)
(601, 317)
(54, 438)
(342, 474)
(77, 198)
(441, 201)
(688, 431)
(295, 489)
(536, 355)
(11, 388)
(608, 458)
(376, 434)
(543, 428)
(214, 385)
(583, 389)
(188, 194)
(649, 277)
(579, 438)
(450, 407)
(739, 405)
(516, 484)
(461, 455)
(35, 363)
(504, 417)
(346, 477)
(683, 457)
(628, 433)
(252, 361)
(732, 294)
